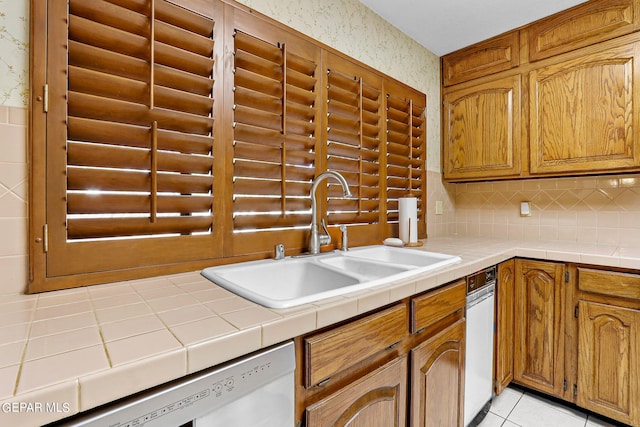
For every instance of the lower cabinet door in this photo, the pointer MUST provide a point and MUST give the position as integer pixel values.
(437, 379)
(608, 361)
(379, 399)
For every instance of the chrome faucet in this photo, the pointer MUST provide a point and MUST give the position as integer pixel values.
(316, 239)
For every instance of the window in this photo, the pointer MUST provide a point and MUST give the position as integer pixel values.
(170, 139)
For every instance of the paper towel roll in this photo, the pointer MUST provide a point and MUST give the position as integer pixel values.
(408, 219)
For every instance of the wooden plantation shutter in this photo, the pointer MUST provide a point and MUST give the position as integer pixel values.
(353, 148)
(406, 151)
(275, 131)
(171, 135)
(133, 169)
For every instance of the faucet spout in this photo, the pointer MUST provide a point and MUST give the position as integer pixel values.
(315, 239)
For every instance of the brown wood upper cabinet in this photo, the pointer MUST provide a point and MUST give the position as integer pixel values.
(481, 130)
(573, 111)
(583, 112)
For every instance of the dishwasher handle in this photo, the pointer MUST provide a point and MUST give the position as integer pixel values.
(480, 295)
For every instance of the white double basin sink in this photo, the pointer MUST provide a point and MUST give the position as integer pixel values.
(300, 280)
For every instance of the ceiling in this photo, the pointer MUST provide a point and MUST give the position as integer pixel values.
(443, 26)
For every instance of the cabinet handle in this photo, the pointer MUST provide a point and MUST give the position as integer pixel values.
(394, 345)
(323, 382)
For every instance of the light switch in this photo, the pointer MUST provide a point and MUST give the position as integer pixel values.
(525, 208)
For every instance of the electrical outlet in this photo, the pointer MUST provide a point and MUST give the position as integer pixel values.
(525, 208)
(439, 207)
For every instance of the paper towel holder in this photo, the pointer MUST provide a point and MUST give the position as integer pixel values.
(414, 244)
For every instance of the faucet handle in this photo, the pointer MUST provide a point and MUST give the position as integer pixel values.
(279, 251)
(325, 238)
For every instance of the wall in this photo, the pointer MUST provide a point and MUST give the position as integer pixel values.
(14, 34)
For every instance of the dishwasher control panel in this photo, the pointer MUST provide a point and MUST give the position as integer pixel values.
(481, 279)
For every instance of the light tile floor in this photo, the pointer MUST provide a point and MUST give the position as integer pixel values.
(515, 407)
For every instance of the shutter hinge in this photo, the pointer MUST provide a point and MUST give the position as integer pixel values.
(45, 237)
(575, 312)
(566, 276)
(564, 385)
(45, 101)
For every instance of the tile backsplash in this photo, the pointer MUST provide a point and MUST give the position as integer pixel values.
(13, 199)
(602, 209)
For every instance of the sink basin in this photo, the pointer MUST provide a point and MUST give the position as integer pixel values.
(300, 280)
(282, 283)
(403, 256)
(365, 269)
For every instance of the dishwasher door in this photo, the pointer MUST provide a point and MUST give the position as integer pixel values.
(478, 371)
(253, 391)
(267, 406)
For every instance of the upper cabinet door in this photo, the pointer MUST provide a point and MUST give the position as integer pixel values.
(582, 116)
(491, 56)
(482, 131)
(586, 24)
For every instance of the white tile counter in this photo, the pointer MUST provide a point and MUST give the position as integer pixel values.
(68, 351)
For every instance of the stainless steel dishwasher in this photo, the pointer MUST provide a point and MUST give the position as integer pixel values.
(254, 391)
(478, 370)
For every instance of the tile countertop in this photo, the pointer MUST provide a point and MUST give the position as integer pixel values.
(68, 351)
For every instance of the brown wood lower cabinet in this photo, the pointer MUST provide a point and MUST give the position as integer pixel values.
(504, 333)
(376, 370)
(377, 399)
(608, 351)
(577, 334)
(539, 332)
(437, 379)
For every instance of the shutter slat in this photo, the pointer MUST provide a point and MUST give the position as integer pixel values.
(337, 121)
(92, 228)
(111, 15)
(257, 65)
(257, 118)
(181, 59)
(257, 47)
(120, 180)
(350, 205)
(178, 37)
(183, 18)
(256, 82)
(352, 165)
(271, 171)
(98, 108)
(265, 222)
(112, 39)
(343, 137)
(262, 101)
(87, 130)
(261, 187)
(266, 204)
(109, 156)
(79, 203)
(260, 152)
(334, 149)
(353, 218)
